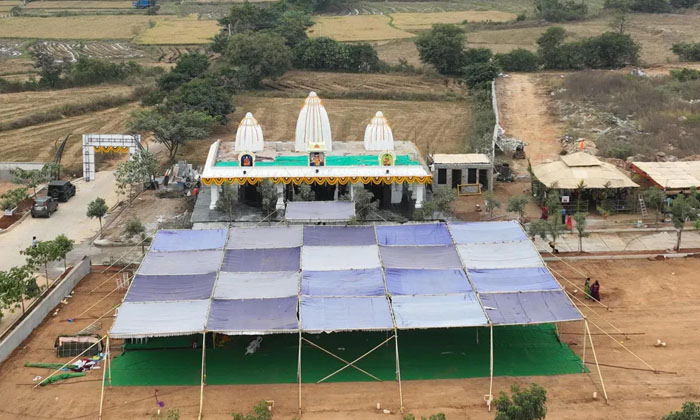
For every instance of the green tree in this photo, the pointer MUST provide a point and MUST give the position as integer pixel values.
(16, 285)
(656, 198)
(689, 411)
(292, 26)
(522, 405)
(172, 129)
(227, 200)
(97, 208)
(443, 48)
(553, 226)
(518, 59)
(268, 195)
(478, 75)
(10, 199)
(187, 68)
(491, 203)
(365, 202)
(28, 178)
(62, 246)
(517, 204)
(40, 254)
(50, 67)
(549, 48)
(684, 4)
(304, 192)
(651, 6)
(558, 11)
(477, 55)
(684, 209)
(135, 172)
(443, 197)
(580, 220)
(611, 50)
(266, 55)
(201, 94)
(134, 227)
(687, 51)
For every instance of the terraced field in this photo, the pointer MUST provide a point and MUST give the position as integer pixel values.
(101, 49)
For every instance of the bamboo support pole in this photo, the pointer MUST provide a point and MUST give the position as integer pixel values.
(201, 389)
(104, 374)
(490, 367)
(595, 357)
(355, 361)
(583, 359)
(341, 359)
(299, 373)
(398, 368)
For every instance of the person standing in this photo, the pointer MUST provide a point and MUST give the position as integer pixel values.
(34, 241)
(545, 213)
(595, 291)
(563, 216)
(587, 288)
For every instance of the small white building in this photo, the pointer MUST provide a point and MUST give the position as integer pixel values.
(472, 171)
(316, 159)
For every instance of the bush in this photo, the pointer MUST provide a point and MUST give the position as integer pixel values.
(524, 405)
(686, 51)
(651, 6)
(328, 54)
(265, 55)
(519, 59)
(11, 199)
(443, 48)
(685, 75)
(478, 75)
(608, 50)
(556, 11)
(690, 411)
(684, 4)
(477, 55)
(134, 227)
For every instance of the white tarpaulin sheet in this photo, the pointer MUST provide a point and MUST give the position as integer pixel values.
(256, 285)
(483, 232)
(265, 237)
(189, 240)
(160, 319)
(421, 257)
(326, 314)
(181, 262)
(438, 311)
(500, 255)
(319, 211)
(323, 258)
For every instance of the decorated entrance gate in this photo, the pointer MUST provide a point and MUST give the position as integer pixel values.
(120, 143)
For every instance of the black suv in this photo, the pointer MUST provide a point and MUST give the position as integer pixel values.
(44, 206)
(61, 190)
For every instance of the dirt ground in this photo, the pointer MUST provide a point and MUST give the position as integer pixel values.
(465, 206)
(649, 300)
(523, 107)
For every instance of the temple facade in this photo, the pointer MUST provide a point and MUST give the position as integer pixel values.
(314, 158)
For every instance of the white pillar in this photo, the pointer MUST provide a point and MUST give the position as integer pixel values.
(335, 193)
(214, 196)
(420, 195)
(88, 160)
(280, 196)
(412, 189)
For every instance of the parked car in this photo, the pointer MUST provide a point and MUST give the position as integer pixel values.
(61, 190)
(44, 206)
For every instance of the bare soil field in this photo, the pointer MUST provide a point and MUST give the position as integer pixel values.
(182, 31)
(393, 51)
(78, 4)
(37, 143)
(387, 7)
(356, 28)
(652, 299)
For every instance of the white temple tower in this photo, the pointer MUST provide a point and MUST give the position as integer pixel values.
(378, 135)
(313, 127)
(249, 136)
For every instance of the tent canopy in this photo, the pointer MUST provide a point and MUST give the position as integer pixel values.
(271, 284)
(181, 262)
(513, 280)
(438, 311)
(189, 240)
(477, 233)
(529, 308)
(160, 319)
(253, 316)
(500, 255)
(401, 281)
(327, 314)
(422, 234)
(339, 235)
(163, 288)
(363, 282)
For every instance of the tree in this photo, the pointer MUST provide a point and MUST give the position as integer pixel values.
(516, 204)
(491, 203)
(12, 198)
(689, 411)
(442, 47)
(553, 226)
(364, 202)
(50, 67)
(201, 94)
(687, 51)
(477, 55)
(549, 48)
(265, 54)
(328, 54)
(62, 246)
(16, 285)
(656, 198)
(227, 199)
(478, 75)
(29, 178)
(268, 194)
(523, 405)
(304, 192)
(187, 68)
(683, 209)
(684, 4)
(292, 26)
(684, 74)
(138, 170)
(611, 50)
(171, 129)
(651, 6)
(557, 11)
(97, 208)
(443, 197)
(41, 254)
(580, 220)
(518, 59)
(621, 14)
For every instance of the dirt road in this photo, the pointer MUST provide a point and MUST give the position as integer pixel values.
(523, 105)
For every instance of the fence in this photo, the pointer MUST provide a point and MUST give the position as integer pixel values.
(37, 314)
(6, 167)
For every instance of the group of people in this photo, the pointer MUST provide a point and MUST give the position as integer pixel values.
(592, 290)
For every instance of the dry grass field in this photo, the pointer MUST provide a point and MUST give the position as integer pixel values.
(424, 21)
(77, 4)
(182, 31)
(356, 28)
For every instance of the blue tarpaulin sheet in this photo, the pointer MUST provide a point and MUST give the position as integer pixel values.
(261, 260)
(365, 282)
(425, 282)
(181, 262)
(438, 311)
(326, 314)
(529, 308)
(339, 235)
(253, 316)
(483, 232)
(189, 240)
(419, 234)
(160, 288)
(513, 280)
(438, 257)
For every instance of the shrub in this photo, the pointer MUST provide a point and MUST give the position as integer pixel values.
(651, 6)
(524, 405)
(477, 55)
(328, 54)
(685, 74)
(557, 11)
(134, 227)
(11, 199)
(519, 59)
(684, 4)
(610, 50)
(478, 75)
(689, 411)
(686, 51)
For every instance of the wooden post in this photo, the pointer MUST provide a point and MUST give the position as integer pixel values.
(201, 389)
